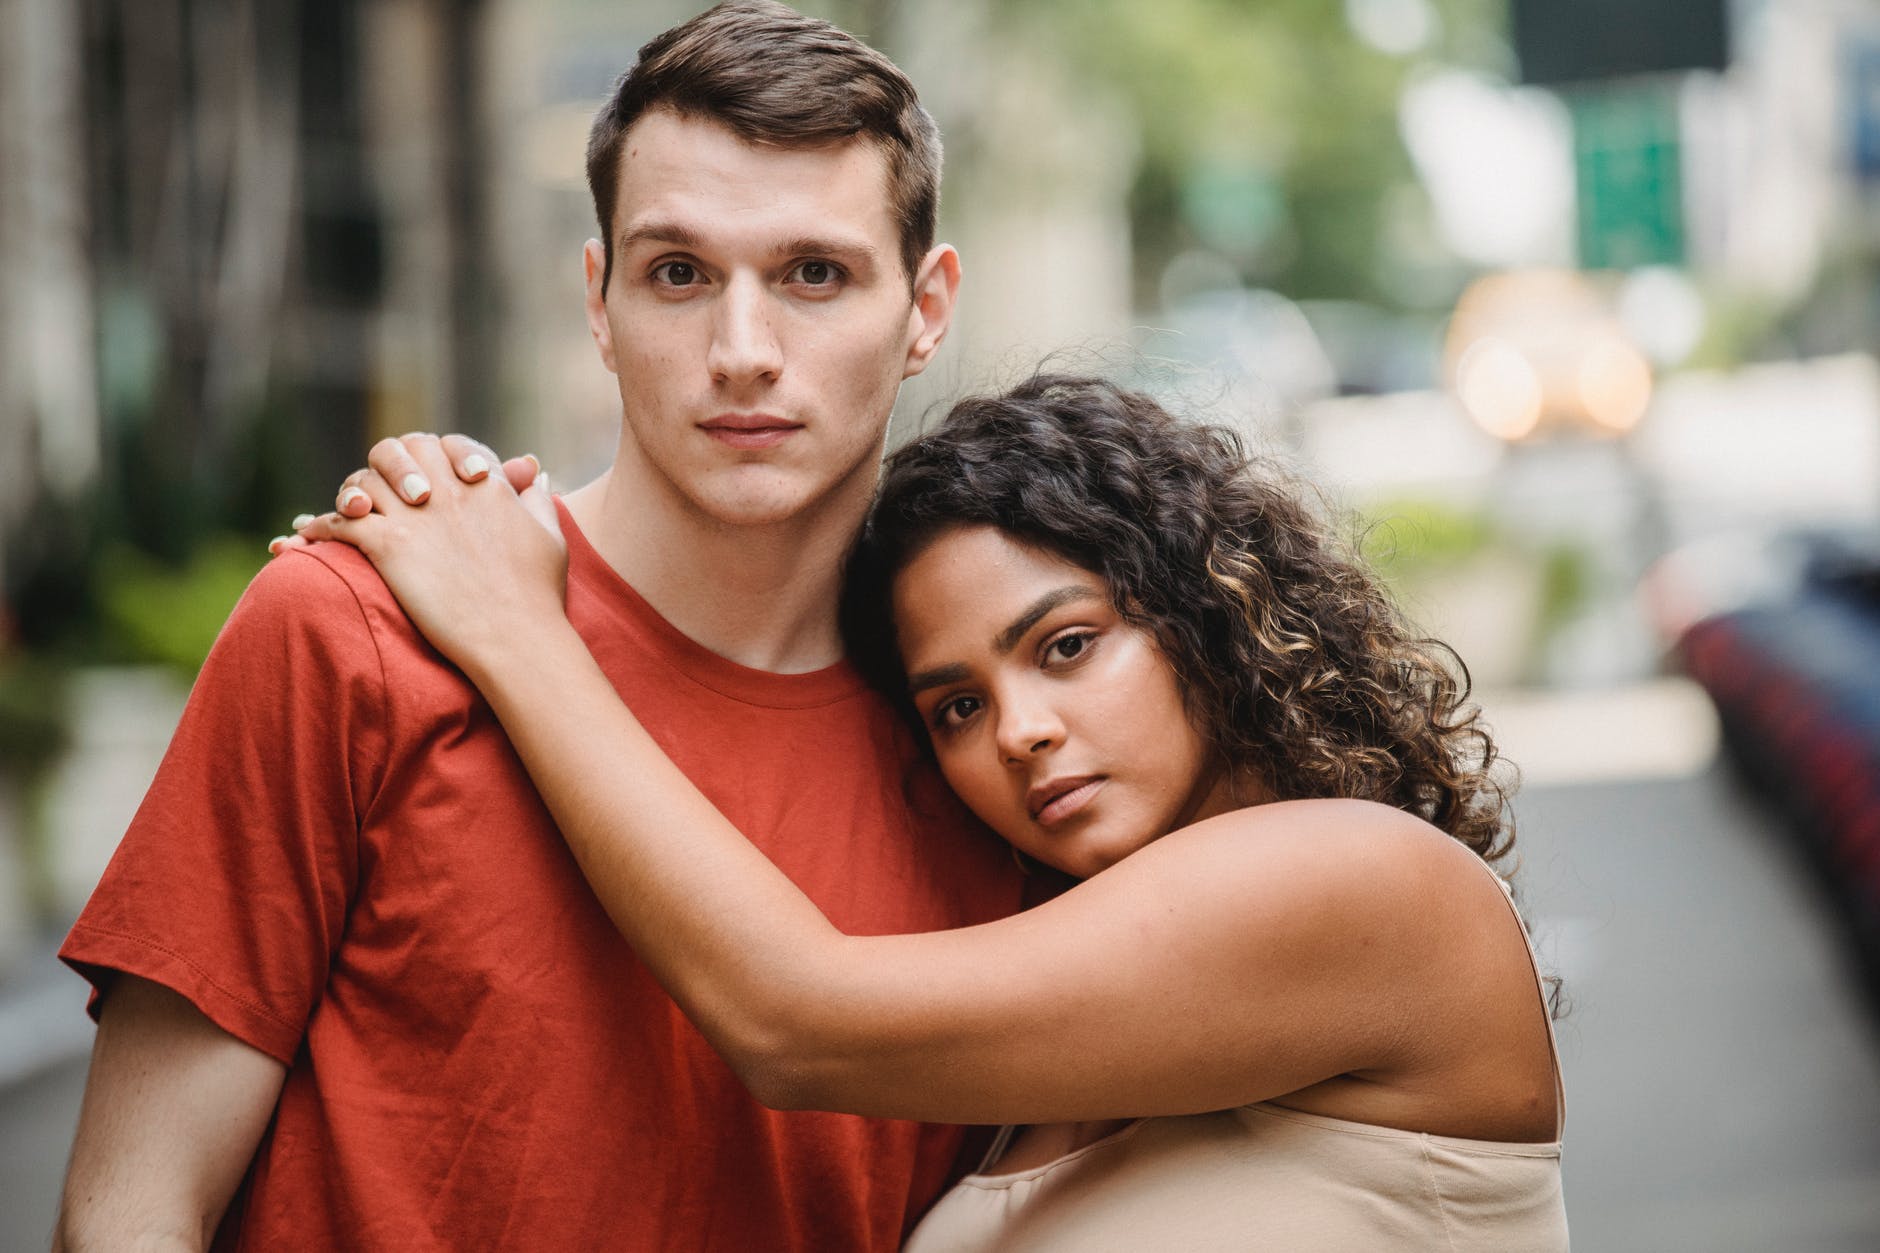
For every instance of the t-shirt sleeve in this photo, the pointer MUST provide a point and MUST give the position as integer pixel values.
(233, 882)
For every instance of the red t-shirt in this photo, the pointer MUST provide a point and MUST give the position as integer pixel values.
(342, 863)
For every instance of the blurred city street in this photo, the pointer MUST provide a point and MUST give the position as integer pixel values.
(1723, 1082)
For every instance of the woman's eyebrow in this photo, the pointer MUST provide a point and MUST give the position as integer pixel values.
(956, 672)
(1008, 639)
(939, 676)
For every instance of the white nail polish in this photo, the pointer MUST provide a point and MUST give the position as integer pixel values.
(275, 544)
(415, 487)
(302, 521)
(475, 464)
(347, 497)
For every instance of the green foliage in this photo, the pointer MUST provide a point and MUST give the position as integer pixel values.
(1403, 540)
(1566, 585)
(1416, 545)
(1278, 95)
(152, 611)
(33, 726)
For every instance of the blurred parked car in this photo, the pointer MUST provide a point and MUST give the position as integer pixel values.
(1795, 675)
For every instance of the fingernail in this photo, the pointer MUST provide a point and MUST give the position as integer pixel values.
(351, 494)
(416, 487)
(302, 521)
(475, 464)
(276, 544)
(531, 459)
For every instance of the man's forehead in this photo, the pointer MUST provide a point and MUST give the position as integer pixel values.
(699, 174)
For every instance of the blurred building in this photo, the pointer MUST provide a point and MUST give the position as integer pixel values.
(237, 238)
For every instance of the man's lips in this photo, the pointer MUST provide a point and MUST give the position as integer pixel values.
(1055, 800)
(749, 430)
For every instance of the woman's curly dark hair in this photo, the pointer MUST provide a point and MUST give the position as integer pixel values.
(1294, 660)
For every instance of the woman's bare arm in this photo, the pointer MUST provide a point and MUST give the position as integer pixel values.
(1238, 960)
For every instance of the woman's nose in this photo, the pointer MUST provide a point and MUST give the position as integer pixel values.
(1027, 730)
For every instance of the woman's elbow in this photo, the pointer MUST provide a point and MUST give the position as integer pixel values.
(779, 1063)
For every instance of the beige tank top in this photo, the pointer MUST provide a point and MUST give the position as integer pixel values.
(1263, 1177)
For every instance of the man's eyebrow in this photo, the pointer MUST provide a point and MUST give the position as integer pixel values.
(1008, 639)
(679, 235)
(823, 246)
(658, 233)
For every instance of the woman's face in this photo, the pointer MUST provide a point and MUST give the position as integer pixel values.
(1060, 724)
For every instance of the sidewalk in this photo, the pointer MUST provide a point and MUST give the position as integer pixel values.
(1722, 1069)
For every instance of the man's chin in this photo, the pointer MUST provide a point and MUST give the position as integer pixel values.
(769, 499)
(776, 507)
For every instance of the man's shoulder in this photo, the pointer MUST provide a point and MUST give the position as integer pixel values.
(326, 590)
(319, 576)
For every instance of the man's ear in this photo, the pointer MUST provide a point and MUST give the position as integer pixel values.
(594, 269)
(936, 288)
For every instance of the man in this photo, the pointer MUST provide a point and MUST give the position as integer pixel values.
(351, 987)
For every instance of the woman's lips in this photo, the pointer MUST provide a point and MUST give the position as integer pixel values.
(1064, 804)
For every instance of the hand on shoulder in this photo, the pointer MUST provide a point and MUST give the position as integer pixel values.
(478, 567)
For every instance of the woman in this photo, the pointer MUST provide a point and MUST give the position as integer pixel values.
(1289, 1004)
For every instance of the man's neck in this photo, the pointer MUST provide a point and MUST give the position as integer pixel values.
(762, 596)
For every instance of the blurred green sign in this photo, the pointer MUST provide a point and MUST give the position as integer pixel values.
(1627, 165)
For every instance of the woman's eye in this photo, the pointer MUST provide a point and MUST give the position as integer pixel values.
(676, 273)
(955, 711)
(1069, 647)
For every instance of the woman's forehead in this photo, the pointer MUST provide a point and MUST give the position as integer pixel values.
(969, 585)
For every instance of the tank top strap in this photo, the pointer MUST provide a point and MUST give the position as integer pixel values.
(1540, 984)
(1001, 1140)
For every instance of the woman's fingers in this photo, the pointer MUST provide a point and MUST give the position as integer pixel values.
(368, 486)
(360, 531)
(404, 470)
(471, 459)
(541, 505)
(324, 526)
(432, 463)
(522, 471)
(351, 502)
(394, 460)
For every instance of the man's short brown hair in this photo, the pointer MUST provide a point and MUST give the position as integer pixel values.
(774, 76)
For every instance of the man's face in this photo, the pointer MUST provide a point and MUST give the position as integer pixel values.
(758, 318)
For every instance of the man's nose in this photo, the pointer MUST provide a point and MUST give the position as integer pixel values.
(744, 345)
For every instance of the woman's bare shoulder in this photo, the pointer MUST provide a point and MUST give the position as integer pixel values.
(1327, 863)
(1358, 838)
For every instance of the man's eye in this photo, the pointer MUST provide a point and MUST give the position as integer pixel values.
(817, 273)
(676, 273)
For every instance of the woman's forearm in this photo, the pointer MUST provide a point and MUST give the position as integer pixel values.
(738, 945)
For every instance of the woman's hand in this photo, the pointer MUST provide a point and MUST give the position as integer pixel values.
(478, 568)
(393, 461)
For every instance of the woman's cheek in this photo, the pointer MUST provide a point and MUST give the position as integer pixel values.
(968, 780)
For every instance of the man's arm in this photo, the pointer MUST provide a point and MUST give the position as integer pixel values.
(173, 1109)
